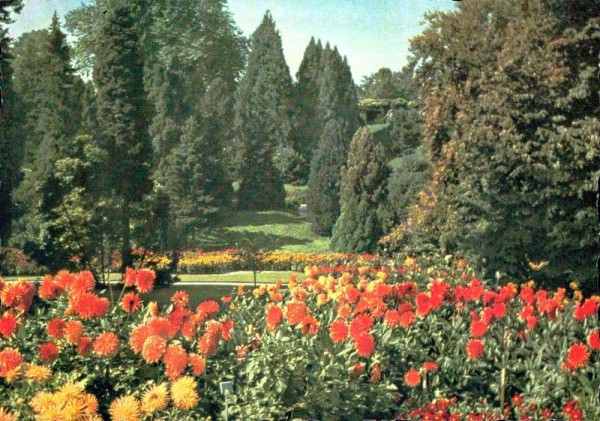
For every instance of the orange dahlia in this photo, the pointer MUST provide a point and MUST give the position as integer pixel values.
(295, 312)
(197, 363)
(106, 344)
(56, 328)
(594, 339)
(163, 327)
(8, 324)
(474, 349)
(273, 317)
(180, 298)
(154, 348)
(338, 331)
(365, 344)
(412, 378)
(131, 302)
(360, 324)
(478, 328)
(49, 288)
(392, 318)
(138, 336)
(578, 356)
(73, 331)
(430, 366)
(209, 342)
(175, 359)
(48, 352)
(407, 319)
(89, 305)
(145, 280)
(84, 345)
(10, 360)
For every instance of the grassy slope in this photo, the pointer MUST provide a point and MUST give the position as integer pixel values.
(269, 230)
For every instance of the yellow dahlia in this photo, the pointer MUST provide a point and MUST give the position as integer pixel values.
(125, 408)
(41, 401)
(73, 410)
(70, 390)
(155, 398)
(37, 373)
(183, 392)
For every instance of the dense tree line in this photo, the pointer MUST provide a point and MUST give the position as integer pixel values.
(510, 100)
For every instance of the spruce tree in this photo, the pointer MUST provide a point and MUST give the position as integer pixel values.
(122, 116)
(11, 122)
(262, 121)
(338, 109)
(307, 123)
(54, 111)
(362, 197)
(195, 180)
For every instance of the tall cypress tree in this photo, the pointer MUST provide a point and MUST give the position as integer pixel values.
(338, 109)
(262, 120)
(307, 123)
(122, 116)
(362, 197)
(10, 121)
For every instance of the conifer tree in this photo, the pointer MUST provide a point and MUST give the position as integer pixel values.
(262, 120)
(122, 116)
(54, 115)
(195, 180)
(11, 123)
(338, 109)
(362, 197)
(307, 123)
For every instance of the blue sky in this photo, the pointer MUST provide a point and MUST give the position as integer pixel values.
(371, 33)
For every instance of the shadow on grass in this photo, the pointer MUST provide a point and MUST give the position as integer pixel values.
(256, 219)
(221, 238)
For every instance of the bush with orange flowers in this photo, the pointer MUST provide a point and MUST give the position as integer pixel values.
(421, 339)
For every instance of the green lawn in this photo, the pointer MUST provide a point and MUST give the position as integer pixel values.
(268, 230)
(268, 277)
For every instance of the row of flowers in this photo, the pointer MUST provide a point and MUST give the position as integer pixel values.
(198, 261)
(419, 341)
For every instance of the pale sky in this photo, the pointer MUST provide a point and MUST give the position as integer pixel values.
(370, 33)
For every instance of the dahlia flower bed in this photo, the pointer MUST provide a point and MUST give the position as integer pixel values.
(417, 341)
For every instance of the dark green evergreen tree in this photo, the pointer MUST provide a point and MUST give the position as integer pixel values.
(11, 122)
(195, 180)
(338, 109)
(307, 123)
(123, 120)
(362, 198)
(263, 121)
(54, 110)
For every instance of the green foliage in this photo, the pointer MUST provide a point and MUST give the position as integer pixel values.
(362, 198)
(123, 119)
(325, 178)
(338, 111)
(11, 121)
(262, 122)
(511, 106)
(307, 123)
(409, 175)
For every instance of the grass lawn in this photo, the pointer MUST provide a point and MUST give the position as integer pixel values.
(268, 277)
(268, 230)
